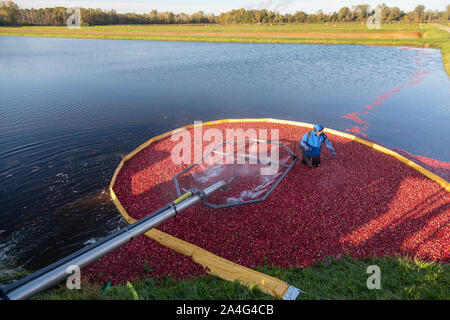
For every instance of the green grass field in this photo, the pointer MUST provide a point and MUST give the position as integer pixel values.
(336, 279)
(182, 28)
(388, 35)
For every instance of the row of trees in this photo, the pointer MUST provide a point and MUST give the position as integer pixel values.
(11, 14)
(358, 13)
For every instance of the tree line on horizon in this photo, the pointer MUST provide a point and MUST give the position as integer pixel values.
(12, 15)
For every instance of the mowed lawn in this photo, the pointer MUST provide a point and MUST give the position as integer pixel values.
(230, 32)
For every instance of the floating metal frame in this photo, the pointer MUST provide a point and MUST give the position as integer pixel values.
(228, 205)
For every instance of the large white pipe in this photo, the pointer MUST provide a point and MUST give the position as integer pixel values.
(39, 281)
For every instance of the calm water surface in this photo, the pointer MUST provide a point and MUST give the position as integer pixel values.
(71, 108)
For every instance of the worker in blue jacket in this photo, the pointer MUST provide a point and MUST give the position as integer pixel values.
(311, 145)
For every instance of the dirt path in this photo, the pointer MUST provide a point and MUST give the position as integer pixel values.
(442, 27)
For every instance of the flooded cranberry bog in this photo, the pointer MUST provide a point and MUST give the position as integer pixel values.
(364, 203)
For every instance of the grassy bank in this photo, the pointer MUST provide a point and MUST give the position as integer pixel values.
(343, 278)
(388, 35)
(440, 39)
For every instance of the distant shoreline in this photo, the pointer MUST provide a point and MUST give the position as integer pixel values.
(390, 35)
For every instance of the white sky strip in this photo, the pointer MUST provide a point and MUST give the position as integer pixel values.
(218, 6)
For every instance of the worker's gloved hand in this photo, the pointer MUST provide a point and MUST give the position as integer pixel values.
(308, 148)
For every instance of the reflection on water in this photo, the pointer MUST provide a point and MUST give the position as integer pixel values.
(71, 108)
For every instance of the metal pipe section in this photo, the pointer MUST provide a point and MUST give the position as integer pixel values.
(32, 284)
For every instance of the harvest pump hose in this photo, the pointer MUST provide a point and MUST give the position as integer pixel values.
(58, 271)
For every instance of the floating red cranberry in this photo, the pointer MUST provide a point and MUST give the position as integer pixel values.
(363, 203)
